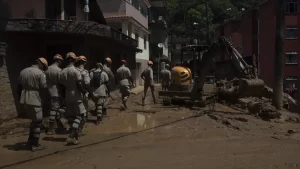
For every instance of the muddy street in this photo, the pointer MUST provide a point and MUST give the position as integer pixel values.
(164, 137)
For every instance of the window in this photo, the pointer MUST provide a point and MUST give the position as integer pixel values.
(173, 46)
(291, 33)
(144, 11)
(290, 82)
(135, 3)
(129, 30)
(145, 42)
(137, 38)
(70, 9)
(291, 58)
(53, 9)
(291, 6)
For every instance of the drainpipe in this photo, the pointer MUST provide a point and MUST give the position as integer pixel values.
(255, 34)
(222, 34)
(86, 9)
(62, 10)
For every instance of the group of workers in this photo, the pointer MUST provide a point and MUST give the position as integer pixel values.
(70, 88)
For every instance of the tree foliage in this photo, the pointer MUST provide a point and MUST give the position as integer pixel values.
(182, 14)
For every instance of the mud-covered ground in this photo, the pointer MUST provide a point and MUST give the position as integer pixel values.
(163, 137)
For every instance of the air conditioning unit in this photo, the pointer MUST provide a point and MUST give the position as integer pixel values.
(160, 18)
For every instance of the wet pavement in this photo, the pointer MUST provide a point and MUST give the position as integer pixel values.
(119, 124)
(155, 136)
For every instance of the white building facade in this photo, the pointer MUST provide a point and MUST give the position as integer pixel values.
(131, 18)
(159, 35)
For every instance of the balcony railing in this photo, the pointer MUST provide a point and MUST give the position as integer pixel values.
(121, 36)
(64, 26)
(136, 5)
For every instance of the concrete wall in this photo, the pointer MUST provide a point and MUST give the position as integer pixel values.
(7, 101)
(112, 7)
(136, 14)
(130, 29)
(80, 14)
(159, 35)
(135, 29)
(21, 8)
(36, 8)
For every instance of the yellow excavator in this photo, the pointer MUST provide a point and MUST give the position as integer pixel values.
(188, 80)
(183, 74)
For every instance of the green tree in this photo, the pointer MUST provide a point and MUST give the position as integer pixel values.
(196, 17)
(183, 13)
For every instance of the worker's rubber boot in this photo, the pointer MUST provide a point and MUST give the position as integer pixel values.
(36, 146)
(104, 112)
(29, 140)
(51, 130)
(99, 119)
(71, 140)
(123, 105)
(80, 130)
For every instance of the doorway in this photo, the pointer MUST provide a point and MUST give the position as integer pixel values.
(138, 80)
(51, 50)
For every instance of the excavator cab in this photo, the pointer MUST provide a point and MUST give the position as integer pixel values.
(191, 56)
(183, 76)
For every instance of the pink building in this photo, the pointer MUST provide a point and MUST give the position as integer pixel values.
(244, 30)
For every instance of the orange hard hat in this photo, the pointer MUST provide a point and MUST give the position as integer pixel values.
(123, 61)
(58, 57)
(71, 55)
(108, 60)
(44, 62)
(150, 62)
(81, 58)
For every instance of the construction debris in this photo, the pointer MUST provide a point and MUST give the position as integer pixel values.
(252, 95)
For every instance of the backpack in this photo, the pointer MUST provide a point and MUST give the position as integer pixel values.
(97, 79)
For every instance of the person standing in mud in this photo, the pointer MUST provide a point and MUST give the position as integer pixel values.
(110, 84)
(99, 79)
(126, 82)
(52, 76)
(80, 63)
(147, 76)
(166, 77)
(33, 86)
(71, 79)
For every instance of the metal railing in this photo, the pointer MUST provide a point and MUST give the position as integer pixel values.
(65, 26)
(121, 36)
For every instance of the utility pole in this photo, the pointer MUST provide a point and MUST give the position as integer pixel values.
(279, 54)
(207, 23)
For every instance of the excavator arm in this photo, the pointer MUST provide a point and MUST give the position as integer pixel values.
(225, 46)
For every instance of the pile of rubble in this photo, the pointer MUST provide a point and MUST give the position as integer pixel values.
(253, 96)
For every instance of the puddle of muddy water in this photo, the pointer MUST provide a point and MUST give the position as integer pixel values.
(125, 123)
